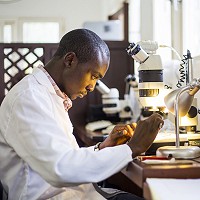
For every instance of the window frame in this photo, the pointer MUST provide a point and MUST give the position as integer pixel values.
(17, 26)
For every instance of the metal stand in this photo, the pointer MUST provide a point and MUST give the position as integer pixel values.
(182, 152)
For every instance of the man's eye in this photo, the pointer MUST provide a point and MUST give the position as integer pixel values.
(94, 77)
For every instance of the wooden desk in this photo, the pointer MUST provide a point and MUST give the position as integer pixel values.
(137, 172)
(132, 178)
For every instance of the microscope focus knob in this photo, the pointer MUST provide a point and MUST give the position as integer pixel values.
(127, 109)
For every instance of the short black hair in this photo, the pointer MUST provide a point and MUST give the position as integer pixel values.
(84, 43)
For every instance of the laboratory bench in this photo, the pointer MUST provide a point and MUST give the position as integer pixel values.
(89, 138)
(133, 178)
(138, 172)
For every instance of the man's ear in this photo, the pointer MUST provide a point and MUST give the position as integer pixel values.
(69, 59)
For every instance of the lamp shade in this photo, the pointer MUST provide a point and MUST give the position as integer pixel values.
(184, 101)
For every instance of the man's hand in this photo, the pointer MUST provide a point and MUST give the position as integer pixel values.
(145, 134)
(120, 134)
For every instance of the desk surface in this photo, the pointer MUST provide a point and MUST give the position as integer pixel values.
(138, 171)
(90, 138)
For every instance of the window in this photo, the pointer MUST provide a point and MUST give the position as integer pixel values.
(191, 28)
(7, 30)
(162, 27)
(45, 32)
(7, 33)
(20, 61)
(31, 30)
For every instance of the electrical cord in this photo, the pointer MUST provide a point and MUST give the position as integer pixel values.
(182, 71)
(174, 50)
(179, 58)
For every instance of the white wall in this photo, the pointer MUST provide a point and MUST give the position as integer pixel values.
(73, 12)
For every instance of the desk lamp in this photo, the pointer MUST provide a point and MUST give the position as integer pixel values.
(179, 102)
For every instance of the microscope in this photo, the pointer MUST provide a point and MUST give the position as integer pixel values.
(150, 86)
(116, 110)
(152, 92)
(148, 93)
(112, 105)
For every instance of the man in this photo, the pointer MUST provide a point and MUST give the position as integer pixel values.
(40, 158)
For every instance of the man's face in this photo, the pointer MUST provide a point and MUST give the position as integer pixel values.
(81, 78)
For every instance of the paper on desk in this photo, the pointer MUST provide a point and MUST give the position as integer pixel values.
(169, 136)
(174, 189)
(108, 129)
(97, 125)
(169, 162)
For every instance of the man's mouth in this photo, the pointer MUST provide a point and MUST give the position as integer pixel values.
(81, 95)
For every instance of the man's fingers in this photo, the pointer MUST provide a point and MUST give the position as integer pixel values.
(130, 130)
(133, 125)
(160, 125)
(158, 119)
(155, 115)
(126, 133)
(120, 133)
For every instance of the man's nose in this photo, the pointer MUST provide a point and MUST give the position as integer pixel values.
(90, 87)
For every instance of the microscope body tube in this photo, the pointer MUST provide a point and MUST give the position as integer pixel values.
(110, 98)
(102, 88)
(137, 53)
(150, 73)
(111, 102)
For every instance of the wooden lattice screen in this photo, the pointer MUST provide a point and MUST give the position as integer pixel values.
(18, 59)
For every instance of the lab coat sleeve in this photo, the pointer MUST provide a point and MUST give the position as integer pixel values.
(37, 137)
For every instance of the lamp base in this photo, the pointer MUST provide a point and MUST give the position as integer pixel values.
(182, 152)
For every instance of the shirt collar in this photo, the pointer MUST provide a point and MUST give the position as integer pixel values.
(66, 100)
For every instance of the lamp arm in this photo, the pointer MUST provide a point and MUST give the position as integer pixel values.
(176, 109)
(194, 91)
(195, 86)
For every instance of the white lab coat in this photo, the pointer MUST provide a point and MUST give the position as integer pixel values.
(39, 155)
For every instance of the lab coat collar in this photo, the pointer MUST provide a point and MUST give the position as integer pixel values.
(43, 79)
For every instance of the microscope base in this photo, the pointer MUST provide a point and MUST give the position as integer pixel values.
(182, 152)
